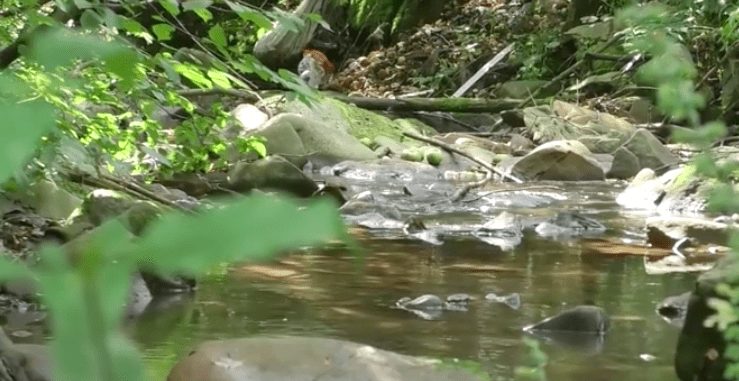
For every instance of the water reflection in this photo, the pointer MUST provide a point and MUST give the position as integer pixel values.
(334, 295)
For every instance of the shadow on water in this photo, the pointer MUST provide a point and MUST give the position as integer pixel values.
(331, 294)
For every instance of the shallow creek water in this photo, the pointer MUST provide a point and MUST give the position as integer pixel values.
(330, 293)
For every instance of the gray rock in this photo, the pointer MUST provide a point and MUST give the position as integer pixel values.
(700, 347)
(678, 191)
(665, 231)
(101, 205)
(581, 319)
(559, 160)
(306, 359)
(51, 201)
(423, 302)
(29, 362)
(300, 139)
(249, 117)
(650, 152)
(271, 173)
(625, 164)
(511, 300)
(569, 225)
(504, 231)
(599, 132)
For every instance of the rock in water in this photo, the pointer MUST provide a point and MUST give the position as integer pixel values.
(423, 302)
(512, 300)
(580, 319)
(306, 359)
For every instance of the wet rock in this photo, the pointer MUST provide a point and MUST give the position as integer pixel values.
(580, 319)
(504, 231)
(700, 347)
(665, 231)
(415, 228)
(460, 298)
(674, 308)
(599, 132)
(394, 147)
(559, 160)
(412, 154)
(375, 220)
(301, 139)
(677, 264)
(676, 191)
(305, 359)
(463, 140)
(520, 145)
(511, 300)
(423, 302)
(569, 225)
(271, 173)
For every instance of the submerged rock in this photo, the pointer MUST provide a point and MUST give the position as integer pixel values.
(306, 359)
(511, 300)
(423, 302)
(504, 231)
(580, 319)
(569, 225)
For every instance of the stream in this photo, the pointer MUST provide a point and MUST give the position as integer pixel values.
(332, 293)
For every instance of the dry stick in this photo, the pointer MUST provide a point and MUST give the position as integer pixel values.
(569, 70)
(483, 70)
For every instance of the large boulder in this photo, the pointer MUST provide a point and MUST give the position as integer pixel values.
(306, 359)
(700, 348)
(559, 160)
(24, 361)
(641, 150)
(600, 132)
(300, 139)
(271, 173)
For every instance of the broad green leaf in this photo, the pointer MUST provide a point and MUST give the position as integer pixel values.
(192, 73)
(163, 31)
(111, 18)
(259, 148)
(191, 5)
(218, 36)
(83, 4)
(204, 14)
(252, 228)
(255, 17)
(171, 6)
(23, 126)
(90, 19)
(135, 28)
(12, 270)
(219, 78)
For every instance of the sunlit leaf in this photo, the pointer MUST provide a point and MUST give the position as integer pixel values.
(219, 78)
(246, 14)
(249, 229)
(190, 5)
(23, 126)
(192, 73)
(218, 35)
(163, 31)
(90, 19)
(204, 14)
(171, 6)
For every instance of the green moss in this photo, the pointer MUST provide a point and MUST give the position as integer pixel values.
(412, 154)
(687, 176)
(366, 124)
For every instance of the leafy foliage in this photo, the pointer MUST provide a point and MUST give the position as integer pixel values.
(49, 95)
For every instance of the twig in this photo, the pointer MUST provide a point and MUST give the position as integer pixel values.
(459, 152)
(459, 195)
(483, 70)
(569, 70)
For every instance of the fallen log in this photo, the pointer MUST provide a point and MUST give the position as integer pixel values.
(470, 105)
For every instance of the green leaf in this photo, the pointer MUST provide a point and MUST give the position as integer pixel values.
(135, 28)
(23, 126)
(252, 228)
(259, 148)
(163, 31)
(204, 14)
(191, 5)
(171, 6)
(252, 16)
(218, 36)
(192, 73)
(83, 4)
(219, 78)
(12, 270)
(90, 19)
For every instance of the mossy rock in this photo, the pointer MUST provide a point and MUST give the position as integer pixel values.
(412, 154)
